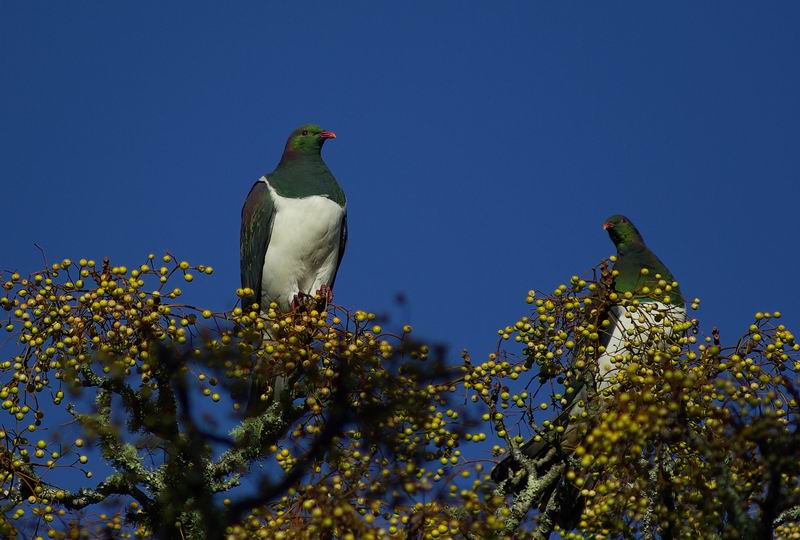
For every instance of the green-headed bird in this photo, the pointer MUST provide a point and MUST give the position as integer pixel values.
(639, 271)
(293, 234)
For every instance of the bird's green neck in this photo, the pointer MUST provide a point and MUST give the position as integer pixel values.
(630, 261)
(626, 238)
(300, 175)
(298, 158)
(630, 247)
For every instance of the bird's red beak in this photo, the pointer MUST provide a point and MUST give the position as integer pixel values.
(607, 226)
(328, 135)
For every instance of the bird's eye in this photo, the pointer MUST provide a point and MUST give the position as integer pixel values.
(623, 220)
(305, 132)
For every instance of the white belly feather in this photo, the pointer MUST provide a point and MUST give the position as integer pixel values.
(303, 249)
(641, 323)
(648, 318)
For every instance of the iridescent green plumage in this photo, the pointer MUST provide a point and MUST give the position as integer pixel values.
(632, 256)
(293, 236)
(654, 285)
(300, 173)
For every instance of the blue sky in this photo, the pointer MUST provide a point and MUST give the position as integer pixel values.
(481, 145)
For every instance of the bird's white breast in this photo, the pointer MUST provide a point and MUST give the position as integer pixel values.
(303, 249)
(631, 331)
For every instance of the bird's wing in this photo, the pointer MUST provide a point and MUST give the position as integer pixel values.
(257, 218)
(575, 406)
(587, 375)
(342, 246)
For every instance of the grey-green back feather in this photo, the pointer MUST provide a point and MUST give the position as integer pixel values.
(257, 218)
(342, 246)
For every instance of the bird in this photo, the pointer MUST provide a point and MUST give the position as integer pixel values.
(293, 235)
(664, 306)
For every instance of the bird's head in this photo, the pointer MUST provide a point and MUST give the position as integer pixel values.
(622, 231)
(307, 140)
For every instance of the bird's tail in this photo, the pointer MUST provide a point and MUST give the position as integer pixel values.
(257, 398)
(261, 397)
(570, 503)
(509, 467)
(263, 391)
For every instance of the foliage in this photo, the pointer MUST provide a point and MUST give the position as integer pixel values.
(379, 436)
(698, 439)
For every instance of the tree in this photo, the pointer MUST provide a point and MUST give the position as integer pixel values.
(382, 436)
(699, 439)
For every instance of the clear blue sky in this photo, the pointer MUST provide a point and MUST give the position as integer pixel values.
(480, 144)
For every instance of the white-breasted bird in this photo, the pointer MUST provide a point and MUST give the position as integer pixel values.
(661, 306)
(293, 233)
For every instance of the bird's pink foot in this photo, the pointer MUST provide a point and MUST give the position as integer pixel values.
(296, 302)
(326, 293)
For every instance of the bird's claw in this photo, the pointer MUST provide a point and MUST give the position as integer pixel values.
(326, 293)
(299, 302)
(296, 303)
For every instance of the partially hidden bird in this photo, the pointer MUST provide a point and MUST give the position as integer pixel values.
(663, 306)
(293, 236)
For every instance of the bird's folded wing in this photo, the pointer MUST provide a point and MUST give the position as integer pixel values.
(257, 217)
(342, 246)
